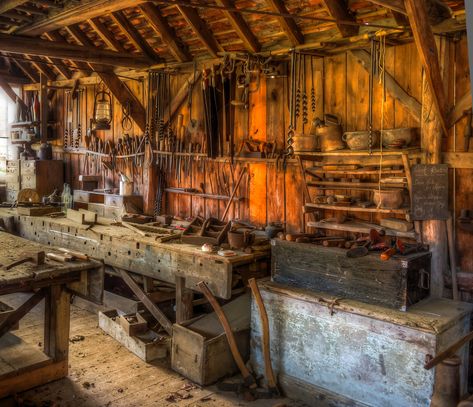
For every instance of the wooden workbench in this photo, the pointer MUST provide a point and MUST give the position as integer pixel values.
(23, 366)
(123, 248)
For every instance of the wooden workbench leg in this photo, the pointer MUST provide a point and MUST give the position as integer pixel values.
(148, 284)
(56, 323)
(184, 298)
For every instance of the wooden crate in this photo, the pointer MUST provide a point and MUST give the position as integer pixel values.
(200, 349)
(397, 283)
(148, 346)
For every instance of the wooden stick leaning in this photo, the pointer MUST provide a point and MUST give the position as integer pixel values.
(247, 376)
(230, 201)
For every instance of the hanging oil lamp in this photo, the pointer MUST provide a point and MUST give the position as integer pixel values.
(102, 109)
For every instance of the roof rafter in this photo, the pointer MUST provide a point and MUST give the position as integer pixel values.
(133, 35)
(57, 37)
(105, 34)
(42, 67)
(240, 26)
(288, 25)
(165, 31)
(26, 68)
(338, 9)
(116, 86)
(201, 30)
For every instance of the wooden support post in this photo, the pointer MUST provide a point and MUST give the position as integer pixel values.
(434, 231)
(148, 284)
(184, 298)
(43, 99)
(56, 323)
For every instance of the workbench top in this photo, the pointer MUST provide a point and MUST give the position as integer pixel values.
(13, 248)
(126, 249)
(104, 227)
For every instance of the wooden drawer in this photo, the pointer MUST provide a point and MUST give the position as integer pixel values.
(28, 181)
(97, 208)
(114, 200)
(12, 178)
(13, 165)
(81, 196)
(28, 167)
(13, 186)
(11, 195)
(113, 212)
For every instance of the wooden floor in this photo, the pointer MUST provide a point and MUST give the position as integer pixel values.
(103, 373)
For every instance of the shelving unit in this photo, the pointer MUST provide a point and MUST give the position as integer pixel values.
(398, 167)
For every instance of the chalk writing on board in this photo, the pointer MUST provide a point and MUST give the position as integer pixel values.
(429, 192)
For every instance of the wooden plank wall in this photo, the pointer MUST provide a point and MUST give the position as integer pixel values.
(275, 194)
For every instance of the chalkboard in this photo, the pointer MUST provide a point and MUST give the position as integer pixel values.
(429, 192)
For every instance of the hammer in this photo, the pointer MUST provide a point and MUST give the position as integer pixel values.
(36, 258)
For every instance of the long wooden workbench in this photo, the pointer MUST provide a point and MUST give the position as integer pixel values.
(23, 366)
(146, 255)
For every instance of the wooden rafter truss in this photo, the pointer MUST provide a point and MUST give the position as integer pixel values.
(117, 35)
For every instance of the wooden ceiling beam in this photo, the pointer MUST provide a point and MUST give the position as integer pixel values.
(288, 25)
(76, 12)
(104, 33)
(134, 36)
(35, 46)
(118, 89)
(32, 10)
(240, 26)
(338, 9)
(427, 48)
(7, 5)
(159, 24)
(82, 66)
(201, 29)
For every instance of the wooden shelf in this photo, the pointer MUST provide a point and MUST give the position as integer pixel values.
(357, 185)
(202, 195)
(361, 228)
(316, 170)
(385, 152)
(354, 208)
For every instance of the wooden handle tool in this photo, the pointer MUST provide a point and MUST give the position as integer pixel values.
(272, 385)
(73, 253)
(61, 258)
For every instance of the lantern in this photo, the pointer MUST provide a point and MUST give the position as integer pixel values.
(102, 110)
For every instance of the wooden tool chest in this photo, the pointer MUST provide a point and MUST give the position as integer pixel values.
(42, 176)
(397, 283)
(107, 205)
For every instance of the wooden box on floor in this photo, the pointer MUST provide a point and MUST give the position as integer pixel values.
(147, 346)
(397, 283)
(200, 349)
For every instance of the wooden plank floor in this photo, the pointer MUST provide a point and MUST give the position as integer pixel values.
(103, 373)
